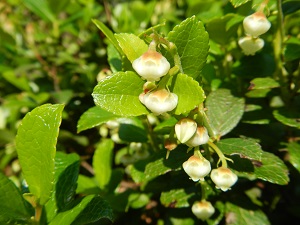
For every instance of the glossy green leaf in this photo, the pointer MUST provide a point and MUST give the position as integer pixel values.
(224, 111)
(13, 207)
(289, 117)
(179, 196)
(237, 3)
(191, 41)
(40, 8)
(294, 154)
(109, 34)
(93, 117)
(190, 93)
(102, 162)
(132, 130)
(119, 94)
(132, 45)
(65, 180)
(35, 143)
(263, 83)
(88, 209)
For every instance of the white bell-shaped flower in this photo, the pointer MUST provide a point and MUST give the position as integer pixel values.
(151, 66)
(224, 178)
(199, 138)
(185, 129)
(256, 24)
(197, 168)
(203, 209)
(159, 101)
(251, 45)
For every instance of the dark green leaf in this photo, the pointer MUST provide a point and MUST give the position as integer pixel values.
(132, 130)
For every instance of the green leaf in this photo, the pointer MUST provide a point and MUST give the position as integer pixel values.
(87, 185)
(20, 82)
(132, 130)
(119, 94)
(58, 6)
(114, 58)
(238, 215)
(180, 196)
(237, 3)
(132, 45)
(40, 8)
(102, 162)
(13, 207)
(224, 111)
(292, 49)
(93, 117)
(108, 33)
(65, 180)
(263, 83)
(294, 154)
(165, 126)
(189, 93)
(289, 117)
(88, 209)
(191, 41)
(35, 143)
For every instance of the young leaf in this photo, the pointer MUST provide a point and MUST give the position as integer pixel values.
(119, 94)
(189, 93)
(132, 45)
(35, 143)
(13, 208)
(94, 116)
(102, 162)
(237, 3)
(191, 41)
(224, 111)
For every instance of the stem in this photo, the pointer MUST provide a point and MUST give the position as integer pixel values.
(219, 152)
(205, 121)
(151, 136)
(203, 192)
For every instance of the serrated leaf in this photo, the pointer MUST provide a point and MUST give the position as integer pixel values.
(179, 196)
(93, 117)
(102, 162)
(13, 207)
(263, 83)
(40, 8)
(35, 144)
(237, 3)
(224, 111)
(294, 154)
(289, 117)
(189, 93)
(132, 46)
(65, 180)
(191, 41)
(89, 209)
(119, 94)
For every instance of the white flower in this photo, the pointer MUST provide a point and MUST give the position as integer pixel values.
(185, 129)
(151, 65)
(199, 138)
(224, 178)
(251, 45)
(197, 168)
(203, 210)
(256, 24)
(159, 101)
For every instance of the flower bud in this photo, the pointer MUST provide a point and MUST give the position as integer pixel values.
(197, 168)
(199, 138)
(203, 210)
(159, 101)
(256, 24)
(224, 178)
(185, 129)
(250, 45)
(151, 65)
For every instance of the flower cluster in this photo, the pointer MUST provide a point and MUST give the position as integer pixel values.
(254, 26)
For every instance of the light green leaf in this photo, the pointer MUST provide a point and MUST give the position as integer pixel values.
(93, 117)
(40, 8)
(89, 209)
(35, 143)
(65, 180)
(189, 93)
(13, 207)
(224, 111)
(87, 185)
(294, 154)
(263, 83)
(108, 33)
(132, 45)
(102, 162)
(119, 94)
(237, 3)
(191, 41)
(289, 117)
(180, 196)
